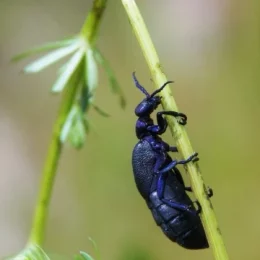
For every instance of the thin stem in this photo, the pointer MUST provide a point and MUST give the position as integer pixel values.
(89, 31)
(179, 133)
(92, 21)
(50, 168)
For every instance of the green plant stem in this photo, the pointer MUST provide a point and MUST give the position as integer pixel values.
(179, 133)
(50, 168)
(92, 22)
(89, 31)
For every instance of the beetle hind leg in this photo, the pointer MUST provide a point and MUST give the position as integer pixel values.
(199, 208)
(168, 202)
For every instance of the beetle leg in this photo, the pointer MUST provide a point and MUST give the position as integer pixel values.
(162, 121)
(179, 177)
(158, 164)
(168, 202)
(173, 149)
(179, 206)
(173, 164)
(198, 211)
(188, 189)
(210, 192)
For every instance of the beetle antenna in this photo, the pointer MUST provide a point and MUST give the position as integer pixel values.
(161, 88)
(139, 86)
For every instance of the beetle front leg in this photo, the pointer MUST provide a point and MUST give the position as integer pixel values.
(162, 121)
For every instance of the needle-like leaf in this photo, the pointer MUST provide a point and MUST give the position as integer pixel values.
(85, 98)
(91, 71)
(51, 58)
(100, 111)
(71, 66)
(86, 256)
(77, 134)
(67, 126)
(74, 130)
(45, 47)
(114, 85)
(33, 252)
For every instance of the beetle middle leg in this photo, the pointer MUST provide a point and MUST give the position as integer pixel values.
(180, 179)
(209, 191)
(173, 163)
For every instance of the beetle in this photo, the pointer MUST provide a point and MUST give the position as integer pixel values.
(159, 181)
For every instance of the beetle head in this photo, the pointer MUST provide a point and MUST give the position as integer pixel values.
(151, 102)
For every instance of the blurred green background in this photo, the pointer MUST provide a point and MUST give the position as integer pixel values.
(210, 49)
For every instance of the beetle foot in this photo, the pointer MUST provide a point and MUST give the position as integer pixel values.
(198, 211)
(191, 209)
(194, 158)
(183, 119)
(210, 192)
(188, 189)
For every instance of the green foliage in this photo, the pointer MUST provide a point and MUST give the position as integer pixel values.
(86, 256)
(32, 252)
(114, 85)
(77, 78)
(80, 70)
(50, 58)
(69, 69)
(135, 252)
(45, 47)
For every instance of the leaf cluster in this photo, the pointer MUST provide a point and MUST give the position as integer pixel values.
(80, 70)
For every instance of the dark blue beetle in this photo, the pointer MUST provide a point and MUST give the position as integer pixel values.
(159, 181)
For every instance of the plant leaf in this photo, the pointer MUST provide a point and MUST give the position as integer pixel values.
(45, 47)
(61, 69)
(33, 252)
(51, 58)
(100, 111)
(114, 85)
(85, 98)
(86, 124)
(67, 125)
(86, 256)
(78, 257)
(95, 247)
(71, 66)
(77, 132)
(75, 128)
(91, 80)
(91, 75)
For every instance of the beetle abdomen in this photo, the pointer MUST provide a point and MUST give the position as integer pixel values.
(179, 226)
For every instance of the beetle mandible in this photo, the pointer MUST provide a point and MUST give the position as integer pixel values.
(159, 181)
